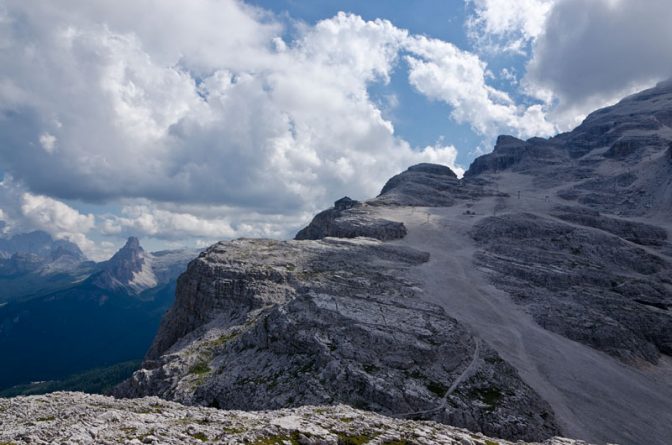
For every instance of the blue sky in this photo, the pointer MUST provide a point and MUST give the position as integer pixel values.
(419, 120)
(186, 122)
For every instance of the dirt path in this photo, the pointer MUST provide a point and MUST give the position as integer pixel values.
(594, 396)
(468, 371)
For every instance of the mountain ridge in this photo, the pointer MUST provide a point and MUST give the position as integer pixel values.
(551, 254)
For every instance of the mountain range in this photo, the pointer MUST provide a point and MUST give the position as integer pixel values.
(32, 264)
(529, 298)
(67, 315)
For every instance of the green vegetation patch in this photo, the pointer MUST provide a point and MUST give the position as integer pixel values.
(233, 430)
(437, 388)
(46, 419)
(223, 339)
(199, 436)
(200, 368)
(415, 374)
(307, 367)
(148, 410)
(490, 396)
(354, 439)
(280, 439)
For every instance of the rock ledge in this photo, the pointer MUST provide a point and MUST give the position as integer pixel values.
(76, 418)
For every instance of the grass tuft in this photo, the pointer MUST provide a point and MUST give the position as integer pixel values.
(200, 368)
(357, 439)
(199, 436)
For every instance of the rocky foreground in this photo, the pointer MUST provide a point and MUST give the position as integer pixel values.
(75, 418)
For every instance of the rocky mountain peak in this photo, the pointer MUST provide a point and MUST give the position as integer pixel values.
(615, 161)
(434, 169)
(130, 269)
(133, 243)
(131, 251)
(345, 203)
(350, 219)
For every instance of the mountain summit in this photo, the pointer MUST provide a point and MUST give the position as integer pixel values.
(130, 268)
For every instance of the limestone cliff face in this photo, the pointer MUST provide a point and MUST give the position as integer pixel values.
(587, 284)
(350, 219)
(429, 185)
(263, 324)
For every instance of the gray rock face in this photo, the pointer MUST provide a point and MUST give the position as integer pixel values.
(350, 219)
(266, 324)
(590, 286)
(88, 419)
(514, 154)
(545, 304)
(632, 146)
(430, 185)
(577, 268)
(433, 169)
(611, 162)
(634, 118)
(633, 231)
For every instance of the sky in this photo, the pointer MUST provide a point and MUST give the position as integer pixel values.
(184, 122)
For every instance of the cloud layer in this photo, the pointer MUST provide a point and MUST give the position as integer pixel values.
(22, 211)
(175, 115)
(111, 113)
(592, 53)
(507, 25)
(204, 120)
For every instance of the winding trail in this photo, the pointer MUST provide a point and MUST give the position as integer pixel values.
(468, 371)
(594, 396)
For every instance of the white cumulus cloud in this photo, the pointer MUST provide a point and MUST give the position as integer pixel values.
(442, 71)
(22, 211)
(176, 108)
(507, 25)
(48, 142)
